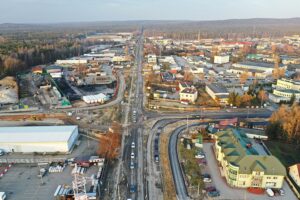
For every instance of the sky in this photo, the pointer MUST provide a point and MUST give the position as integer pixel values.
(54, 11)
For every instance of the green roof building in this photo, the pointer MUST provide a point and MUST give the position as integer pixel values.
(241, 164)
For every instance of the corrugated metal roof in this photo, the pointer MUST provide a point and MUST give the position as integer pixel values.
(31, 134)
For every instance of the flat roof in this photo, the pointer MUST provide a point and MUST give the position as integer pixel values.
(259, 64)
(31, 134)
(217, 88)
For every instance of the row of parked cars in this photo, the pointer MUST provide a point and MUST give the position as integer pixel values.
(210, 190)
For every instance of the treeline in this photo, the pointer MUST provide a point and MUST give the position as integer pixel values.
(20, 54)
(285, 124)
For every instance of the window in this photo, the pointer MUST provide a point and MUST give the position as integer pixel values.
(275, 177)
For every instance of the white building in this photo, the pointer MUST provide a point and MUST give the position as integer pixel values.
(189, 94)
(98, 98)
(72, 62)
(221, 59)
(152, 59)
(41, 139)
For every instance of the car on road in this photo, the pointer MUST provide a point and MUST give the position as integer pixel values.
(132, 145)
(214, 193)
(132, 155)
(132, 188)
(131, 165)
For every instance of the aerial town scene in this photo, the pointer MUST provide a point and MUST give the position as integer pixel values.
(149, 100)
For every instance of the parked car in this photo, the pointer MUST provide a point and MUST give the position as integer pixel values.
(214, 193)
(282, 192)
(200, 156)
(210, 189)
(207, 180)
(270, 192)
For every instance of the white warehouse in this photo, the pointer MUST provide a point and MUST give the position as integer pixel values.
(41, 139)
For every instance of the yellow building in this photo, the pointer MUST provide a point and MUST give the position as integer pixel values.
(294, 172)
(241, 164)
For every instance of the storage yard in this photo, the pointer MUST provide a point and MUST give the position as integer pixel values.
(26, 182)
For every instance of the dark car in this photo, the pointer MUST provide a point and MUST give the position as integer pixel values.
(210, 189)
(214, 193)
(132, 188)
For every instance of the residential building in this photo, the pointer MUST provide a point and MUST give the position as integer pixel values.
(218, 92)
(294, 172)
(221, 59)
(189, 94)
(40, 139)
(241, 164)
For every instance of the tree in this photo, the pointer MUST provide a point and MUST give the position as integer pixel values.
(246, 99)
(234, 98)
(288, 119)
(243, 77)
(110, 143)
(293, 99)
(262, 96)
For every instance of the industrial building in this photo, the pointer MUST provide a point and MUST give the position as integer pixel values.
(40, 139)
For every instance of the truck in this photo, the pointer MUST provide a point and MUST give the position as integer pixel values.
(2, 195)
(270, 192)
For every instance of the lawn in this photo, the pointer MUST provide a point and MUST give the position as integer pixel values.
(288, 154)
(191, 167)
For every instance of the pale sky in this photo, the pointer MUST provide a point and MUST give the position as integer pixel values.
(52, 11)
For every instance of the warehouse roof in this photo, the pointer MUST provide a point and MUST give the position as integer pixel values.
(31, 134)
(217, 88)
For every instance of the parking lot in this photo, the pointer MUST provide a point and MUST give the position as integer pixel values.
(227, 192)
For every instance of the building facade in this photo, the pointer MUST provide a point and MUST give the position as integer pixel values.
(241, 164)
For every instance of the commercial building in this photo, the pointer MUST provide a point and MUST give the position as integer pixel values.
(284, 90)
(218, 92)
(189, 94)
(242, 166)
(98, 98)
(261, 66)
(72, 62)
(40, 139)
(221, 59)
(152, 59)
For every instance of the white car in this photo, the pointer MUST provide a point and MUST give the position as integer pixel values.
(131, 165)
(207, 180)
(132, 155)
(200, 156)
(132, 145)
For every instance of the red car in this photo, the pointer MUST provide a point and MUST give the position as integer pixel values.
(210, 189)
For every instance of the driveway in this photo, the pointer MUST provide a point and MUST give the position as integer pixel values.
(233, 193)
